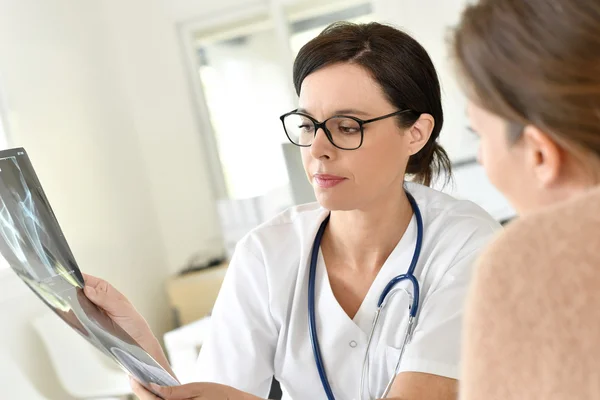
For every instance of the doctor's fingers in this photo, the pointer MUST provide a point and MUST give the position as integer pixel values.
(100, 287)
(118, 308)
(198, 391)
(141, 392)
(105, 296)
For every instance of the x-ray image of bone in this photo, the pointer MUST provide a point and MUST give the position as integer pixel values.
(33, 244)
(29, 233)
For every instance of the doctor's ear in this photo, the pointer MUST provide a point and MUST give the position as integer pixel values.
(420, 132)
(543, 156)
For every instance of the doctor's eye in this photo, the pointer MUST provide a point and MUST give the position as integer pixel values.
(349, 129)
(305, 130)
(305, 126)
(344, 126)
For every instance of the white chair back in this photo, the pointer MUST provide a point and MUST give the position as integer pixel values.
(82, 369)
(13, 382)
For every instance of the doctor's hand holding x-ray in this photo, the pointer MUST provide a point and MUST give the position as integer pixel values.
(302, 290)
(123, 313)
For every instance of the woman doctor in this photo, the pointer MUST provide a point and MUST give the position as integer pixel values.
(369, 114)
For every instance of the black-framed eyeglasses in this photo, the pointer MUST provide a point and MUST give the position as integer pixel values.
(343, 131)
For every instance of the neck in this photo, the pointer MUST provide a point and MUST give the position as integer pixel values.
(579, 176)
(364, 239)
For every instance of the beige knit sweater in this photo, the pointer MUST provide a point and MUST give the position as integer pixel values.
(532, 326)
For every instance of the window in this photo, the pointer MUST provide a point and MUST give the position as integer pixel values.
(244, 87)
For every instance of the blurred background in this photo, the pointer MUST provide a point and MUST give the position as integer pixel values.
(153, 127)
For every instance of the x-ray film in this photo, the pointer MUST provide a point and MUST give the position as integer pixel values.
(33, 244)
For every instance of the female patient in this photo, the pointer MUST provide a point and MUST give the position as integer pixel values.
(532, 72)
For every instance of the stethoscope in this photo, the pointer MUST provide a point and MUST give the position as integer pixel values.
(383, 300)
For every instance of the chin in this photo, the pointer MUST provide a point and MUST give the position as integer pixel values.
(333, 202)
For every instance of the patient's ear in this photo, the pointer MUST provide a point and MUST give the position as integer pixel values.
(543, 156)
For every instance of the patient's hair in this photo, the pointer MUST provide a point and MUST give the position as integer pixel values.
(402, 68)
(535, 62)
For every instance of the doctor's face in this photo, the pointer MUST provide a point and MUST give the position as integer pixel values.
(352, 179)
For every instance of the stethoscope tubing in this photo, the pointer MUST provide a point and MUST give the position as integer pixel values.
(409, 275)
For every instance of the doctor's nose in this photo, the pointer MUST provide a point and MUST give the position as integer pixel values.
(321, 146)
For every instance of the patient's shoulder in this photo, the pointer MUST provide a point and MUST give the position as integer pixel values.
(535, 296)
(548, 241)
(540, 270)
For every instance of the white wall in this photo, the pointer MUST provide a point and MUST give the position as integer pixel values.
(159, 97)
(97, 94)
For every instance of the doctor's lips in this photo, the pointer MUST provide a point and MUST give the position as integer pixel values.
(327, 181)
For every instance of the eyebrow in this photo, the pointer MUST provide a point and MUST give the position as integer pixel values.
(344, 111)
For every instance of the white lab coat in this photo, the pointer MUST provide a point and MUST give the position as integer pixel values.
(260, 320)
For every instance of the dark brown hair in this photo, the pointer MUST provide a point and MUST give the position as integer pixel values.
(535, 62)
(402, 68)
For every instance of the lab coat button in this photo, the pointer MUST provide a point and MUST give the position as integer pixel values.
(353, 344)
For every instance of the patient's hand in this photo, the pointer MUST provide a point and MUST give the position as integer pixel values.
(191, 391)
(119, 309)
